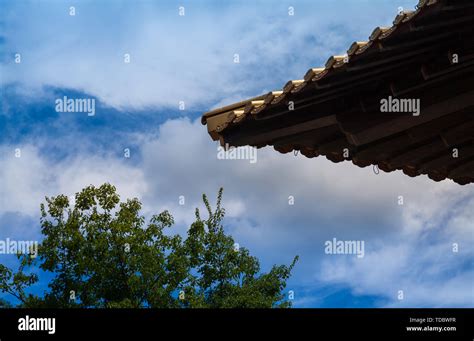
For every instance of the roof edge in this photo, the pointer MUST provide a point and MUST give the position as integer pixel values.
(229, 107)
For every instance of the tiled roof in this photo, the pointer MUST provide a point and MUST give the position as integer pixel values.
(324, 122)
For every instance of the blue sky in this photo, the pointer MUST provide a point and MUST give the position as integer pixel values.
(190, 58)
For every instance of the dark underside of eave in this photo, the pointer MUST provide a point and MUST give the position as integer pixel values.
(339, 116)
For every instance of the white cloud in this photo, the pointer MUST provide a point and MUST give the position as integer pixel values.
(27, 179)
(420, 260)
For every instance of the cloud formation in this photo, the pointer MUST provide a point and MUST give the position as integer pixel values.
(178, 58)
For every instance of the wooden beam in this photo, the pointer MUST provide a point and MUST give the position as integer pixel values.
(466, 169)
(272, 135)
(414, 155)
(446, 107)
(446, 161)
(459, 134)
(336, 146)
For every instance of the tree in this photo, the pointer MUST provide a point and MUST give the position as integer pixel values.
(102, 254)
(4, 304)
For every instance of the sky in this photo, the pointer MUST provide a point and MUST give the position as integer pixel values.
(181, 66)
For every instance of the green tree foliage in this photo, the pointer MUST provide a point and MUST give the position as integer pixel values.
(4, 304)
(102, 253)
